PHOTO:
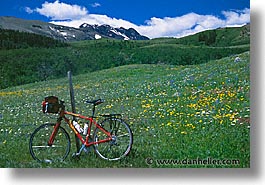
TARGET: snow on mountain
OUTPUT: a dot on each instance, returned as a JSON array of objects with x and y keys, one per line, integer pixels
[
  {"x": 106, "y": 31},
  {"x": 119, "y": 33},
  {"x": 84, "y": 32},
  {"x": 97, "y": 36}
]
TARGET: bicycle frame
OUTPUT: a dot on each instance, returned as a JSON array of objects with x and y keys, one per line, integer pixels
[
  {"x": 111, "y": 138},
  {"x": 85, "y": 142}
]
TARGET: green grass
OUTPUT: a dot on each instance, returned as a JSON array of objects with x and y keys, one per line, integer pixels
[{"x": 175, "y": 112}]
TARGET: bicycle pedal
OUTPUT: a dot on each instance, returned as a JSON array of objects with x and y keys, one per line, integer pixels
[{"x": 75, "y": 156}]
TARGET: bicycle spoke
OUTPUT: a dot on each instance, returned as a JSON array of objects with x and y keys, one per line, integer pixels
[
  {"x": 120, "y": 144},
  {"x": 53, "y": 146},
  {"x": 123, "y": 135},
  {"x": 41, "y": 151}
]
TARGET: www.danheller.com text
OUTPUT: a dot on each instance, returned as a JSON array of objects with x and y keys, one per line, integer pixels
[{"x": 197, "y": 161}]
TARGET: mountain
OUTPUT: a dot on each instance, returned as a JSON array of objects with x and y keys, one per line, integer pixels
[
  {"x": 106, "y": 31},
  {"x": 84, "y": 32}
]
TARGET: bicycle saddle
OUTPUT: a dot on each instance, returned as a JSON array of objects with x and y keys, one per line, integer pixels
[{"x": 95, "y": 102}]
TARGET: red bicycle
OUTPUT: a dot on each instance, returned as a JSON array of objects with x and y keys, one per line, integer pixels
[{"x": 112, "y": 138}]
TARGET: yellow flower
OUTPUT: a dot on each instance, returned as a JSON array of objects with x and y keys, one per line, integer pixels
[
  {"x": 146, "y": 106},
  {"x": 109, "y": 106},
  {"x": 169, "y": 124}
]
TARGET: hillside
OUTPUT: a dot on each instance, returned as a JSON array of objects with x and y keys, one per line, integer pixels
[
  {"x": 221, "y": 37},
  {"x": 175, "y": 112},
  {"x": 33, "y": 64}
]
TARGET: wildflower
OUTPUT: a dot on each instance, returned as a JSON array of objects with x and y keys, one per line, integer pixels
[
  {"x": 146, "y": 106},
  {"x": 171, "y": 113},
  {"x": 169, "y": 124},
  {"x": 109, "y": 106}
]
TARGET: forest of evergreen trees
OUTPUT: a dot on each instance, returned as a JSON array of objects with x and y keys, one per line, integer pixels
[{"x": 11, "y": 39}]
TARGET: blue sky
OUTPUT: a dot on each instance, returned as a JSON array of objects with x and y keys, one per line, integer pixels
[{"x": 163, "y": 18}]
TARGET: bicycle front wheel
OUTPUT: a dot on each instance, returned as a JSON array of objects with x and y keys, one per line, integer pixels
[
  {"x": 121, "y": 142},
  {"x": 41, "y": 151}
]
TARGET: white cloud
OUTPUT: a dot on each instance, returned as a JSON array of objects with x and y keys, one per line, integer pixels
[
  {"x": 169, "y": 27},
  {"x": 61, "y": 11},
  {"x": 192, "y": 23},
  {"x": 97, "y": 19},
  {"x": 29, "y": 10},
  {"x": 237, "y": 17},
  {"x": 94, "y": 5},
  {"x": 155, "y": 27}
]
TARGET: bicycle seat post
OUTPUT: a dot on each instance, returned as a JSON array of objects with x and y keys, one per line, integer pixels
[{"x": 94, "y": 103}]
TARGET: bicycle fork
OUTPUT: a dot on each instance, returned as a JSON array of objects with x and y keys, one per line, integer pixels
[{"x": 54, "y": 132}]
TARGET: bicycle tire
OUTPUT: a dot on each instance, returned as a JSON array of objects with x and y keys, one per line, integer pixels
[
  {"x": 41, "y": 151},
  {"x": 121, "y": 144}
]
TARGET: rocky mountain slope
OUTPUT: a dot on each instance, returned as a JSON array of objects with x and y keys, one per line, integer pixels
[{"x": 84, "y": 32}]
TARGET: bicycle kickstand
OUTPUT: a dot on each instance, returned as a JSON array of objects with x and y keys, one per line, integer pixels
[{"x": 83, "y": 147}]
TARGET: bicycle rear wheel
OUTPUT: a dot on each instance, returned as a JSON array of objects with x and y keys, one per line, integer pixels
[
  {"x": 41, "y": 151},
  {"x": 121, "y": 142}
]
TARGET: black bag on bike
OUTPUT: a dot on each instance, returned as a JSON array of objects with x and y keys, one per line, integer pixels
[{"x": 50, "y": 105}]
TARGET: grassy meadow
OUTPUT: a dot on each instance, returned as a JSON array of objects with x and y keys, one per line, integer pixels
[{"x": 175, "y": 112}]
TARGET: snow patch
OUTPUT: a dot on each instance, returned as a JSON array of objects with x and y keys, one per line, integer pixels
[
  {"x": 85, "y": 25},
  {"x": 52, "y": 28},
  {"x": 97, "y": 36},
  {"x": 119, "y": 33},
  {"x": 63, "y": 33}
]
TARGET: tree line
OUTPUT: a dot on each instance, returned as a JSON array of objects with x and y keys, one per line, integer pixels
[{"x": 12, "y": 39}]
